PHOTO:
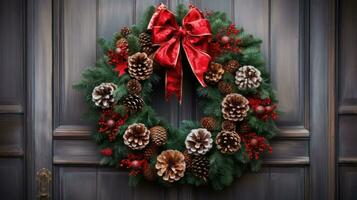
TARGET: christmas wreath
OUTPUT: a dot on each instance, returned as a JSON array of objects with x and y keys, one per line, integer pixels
[{"x": 238, "y": 102}]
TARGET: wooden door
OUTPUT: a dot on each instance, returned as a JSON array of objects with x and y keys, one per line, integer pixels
[{"x": 60, "y": 43}]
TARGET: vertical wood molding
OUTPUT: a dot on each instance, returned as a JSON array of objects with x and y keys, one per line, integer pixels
[
  {"x": 39, "y": 87},
  {"x": 322, "y": 63}
]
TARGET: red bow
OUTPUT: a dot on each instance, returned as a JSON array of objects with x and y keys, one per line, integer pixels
[{"x": 194, "y": 35}]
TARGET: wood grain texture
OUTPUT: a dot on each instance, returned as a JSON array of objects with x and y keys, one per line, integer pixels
[
  {"x": 347, "y": 136},
  {"x": 12, "y": 179},
  {"x": 347, "y": 182},
  {"x": 11, "y": 135}
]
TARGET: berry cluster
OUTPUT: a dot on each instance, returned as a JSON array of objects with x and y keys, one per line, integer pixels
[
  {"x": 109, "y": 124},
  {"x": 255, "y": 145},
  {"x": 135, "y": 163},
  {"x": 263, "y": 108}
]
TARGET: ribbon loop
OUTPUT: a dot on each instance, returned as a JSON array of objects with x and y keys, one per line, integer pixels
[{"x": 194, "y": 35}]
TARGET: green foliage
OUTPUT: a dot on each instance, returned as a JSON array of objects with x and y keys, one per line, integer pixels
[{"x": 223, "y": 168}]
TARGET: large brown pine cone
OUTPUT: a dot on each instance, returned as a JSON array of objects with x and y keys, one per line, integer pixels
[
  {"x": 136, "y": 136},
  {"x": 235, "y": 107},
  {"x": 170, "y": 164},
  {"x": 214, "y": 73},
  {"x": 134, "y": 103},
  {"x": 200, "y": 167},
  {"x": 228, "y": 142},
  {"x": 198, "y": 141},
  {"x": 102, "y": 95},
  {"x": 208, "y": 123},
  {"x": 158, "y": 135},
  {"x": 134, "y": 87},
  {"x": 188, "y": 159},
  {"x": 231, "y": 66},
  {"x": 248, "y": 77},
  {"x": 145, "y": 43},
  {"x": 140, "y": 66}
]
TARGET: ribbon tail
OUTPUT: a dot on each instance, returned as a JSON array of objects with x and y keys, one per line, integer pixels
[{"x": 173, "y": 81}]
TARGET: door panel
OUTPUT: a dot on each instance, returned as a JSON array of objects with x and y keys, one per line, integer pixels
[
  {"x": 282, "y": 26},
  {"x": 12, "y": 98}
]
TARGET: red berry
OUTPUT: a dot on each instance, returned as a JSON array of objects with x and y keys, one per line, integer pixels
[
  {"x": 268, "y": 108},
  {"x": 118, "y": 50},
  {"x": 110, "y": 123},
  {"x": 135, "y": 164},
  {"x": 253, "y": 142},
  {"x": 225, "y": 39},
  {"x": 259, "y": 109}
]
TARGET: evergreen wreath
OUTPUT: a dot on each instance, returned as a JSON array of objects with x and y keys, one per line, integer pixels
[{"x": 236, "y": 95}]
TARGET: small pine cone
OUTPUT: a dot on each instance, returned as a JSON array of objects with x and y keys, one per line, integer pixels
[
  {"x": 214, "y": 73},
  {"x": 200, "y": 167},
  {"x": 228, "y": 142},
  {"x": 158, "y": 135},
  {"x": 170, "y": 164},
  {"x": 145, "y": 43},
  {"x": 102, "y": 95},
  {"x": 134, "y": 87},
  {"x": 125, "y": 31},
  {"x": 140, "y": 66},
  {"x": 235, "y": 107},
  {"x": 198, "y": 141},
  {"x": 225, "y": 88},
  {"x": 248, "y": 77},
  {"x": 188, "y": 159},
  {"x": 231, "y": 66},
  {"x": 228, "y": 125},
  {"x": 208, "y": 123},
  {"x": 149, "y": 173},
  {"x": 150, "y": 151},
  {"x": 133, "y": 103},
  {"x": 136, "y": 136},
  {"x": 244, "y": 127}
]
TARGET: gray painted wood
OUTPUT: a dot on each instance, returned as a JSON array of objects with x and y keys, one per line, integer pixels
[
  {"x": 11, "y": 135},
  {"x": 12, "y": 179},
  {"x": 347, "y": 137},
  {"x": 348, "y": 182}
]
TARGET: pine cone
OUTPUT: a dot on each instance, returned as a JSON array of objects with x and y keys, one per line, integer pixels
[
  {"x": 214, "y": 74},
  {"x": 170, "y": 164},
  {"x": 208, "y": 123},
  {"x": 134, "y": 86},
  {"x": 145, "y": 43},
  {"x": 125, "y": 31},
  {"x": 122, "y": 47},
  {"x": 200, "y": 167},
  {"x": 228, "y": 125},
  {"x": 102, "y": 95},
  {"x": 150, "y": 151},
  {"x": 136, "y": 136},
  {"x": 244, "y": 127},
  {"x": 198, "y": 141},
  {"x": 231, "y": 66},
  {"x": 140, "y": 66},
  {"x": 235, "y": 107},
  {"x": 188, "y": 159},
  {"x": 133, "y": 103},
  {"x": 149, "y": 173},
  {"x": 228, "y": 142},
  {"x": 248, "y": 77},
  {"x": 225, "y": 88},
  {"x": 158, "y": 135}
]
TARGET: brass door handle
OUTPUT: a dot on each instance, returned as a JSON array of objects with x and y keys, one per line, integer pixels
[{"x": 43, "y": 179}]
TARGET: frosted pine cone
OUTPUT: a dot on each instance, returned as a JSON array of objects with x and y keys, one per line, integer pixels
[
  {"x": 198, "y": 141},
  {"x": 125, "y": 31},
  {"x": 102, "y": 95},
  {"x": 145, "y": 43},
  {"x": 140, "y": 66},
  {"x": 214, "y": 73},
  {"x": 158, "y": 135},
  {"x": 170, "y": 164},
  {"x": 235, "y": 107},
  {"x": 136, "y": 136},
  {"x": 248, "y": 77},
  {"x": 228, "y": 142}
]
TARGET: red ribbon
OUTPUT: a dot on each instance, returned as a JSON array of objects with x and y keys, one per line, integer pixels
[{"x": 194, "y": 36}]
